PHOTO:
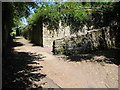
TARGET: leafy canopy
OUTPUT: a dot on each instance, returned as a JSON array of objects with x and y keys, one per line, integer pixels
[{"x": 74, "y": 14}]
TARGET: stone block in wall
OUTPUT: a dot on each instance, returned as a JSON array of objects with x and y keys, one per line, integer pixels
[
  {"x": 58, "y": 46},
  {"x": 75, "y": 49},
  {"x": 110, "y": 39},
  {"x": 49, "y": 35}
]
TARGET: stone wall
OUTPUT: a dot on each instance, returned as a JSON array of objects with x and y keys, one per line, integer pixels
[
  {"x": 63, "y": 42},
  {"x": 36, "y": 34},
  {"x": 84, "y": 43},
  {"x": 49, "y": 35},
  {"x": 41, "y": 35}
]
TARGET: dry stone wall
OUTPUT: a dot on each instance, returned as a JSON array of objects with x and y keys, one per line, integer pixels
[
  {"x": 63, "y": 42},
  {"x": 84, "y": 43},
  {"x": 49, "y": 35},
  {"x": 36, "y": 34},
  {"x": 41, "y": 35}
]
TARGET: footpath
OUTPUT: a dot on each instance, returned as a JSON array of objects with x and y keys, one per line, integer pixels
[{"x": 60, "y": 72}]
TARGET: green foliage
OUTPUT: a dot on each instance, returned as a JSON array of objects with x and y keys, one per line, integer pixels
[
  {"x": 50, "y": 14},
  {"x": 15, "y": 10},
  {"x": 74, "y": 14},
  {"x": 13, "y": 33},
  {"x": 25, "y": 32}
]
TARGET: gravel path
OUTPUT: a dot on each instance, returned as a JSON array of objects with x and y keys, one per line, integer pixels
[{"x": 68, "y": 74}]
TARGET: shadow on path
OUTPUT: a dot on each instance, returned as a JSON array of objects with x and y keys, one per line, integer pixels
[
  {"x": 17, "y": 44},
  {"x": 18, "y": 70},
  {"x": 110, "y": 56}
]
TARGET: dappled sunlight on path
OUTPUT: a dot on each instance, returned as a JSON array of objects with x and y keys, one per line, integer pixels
[
  {"x": 21, "y": 69},
  {"x": 37, "y": 62},
  {"x": 18, "y": 73}
]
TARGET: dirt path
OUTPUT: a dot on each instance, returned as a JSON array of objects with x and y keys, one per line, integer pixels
[{"x": 71, "y": 74}]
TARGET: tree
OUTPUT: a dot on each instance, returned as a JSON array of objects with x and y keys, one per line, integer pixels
[{"x": 11, "y": 14}]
